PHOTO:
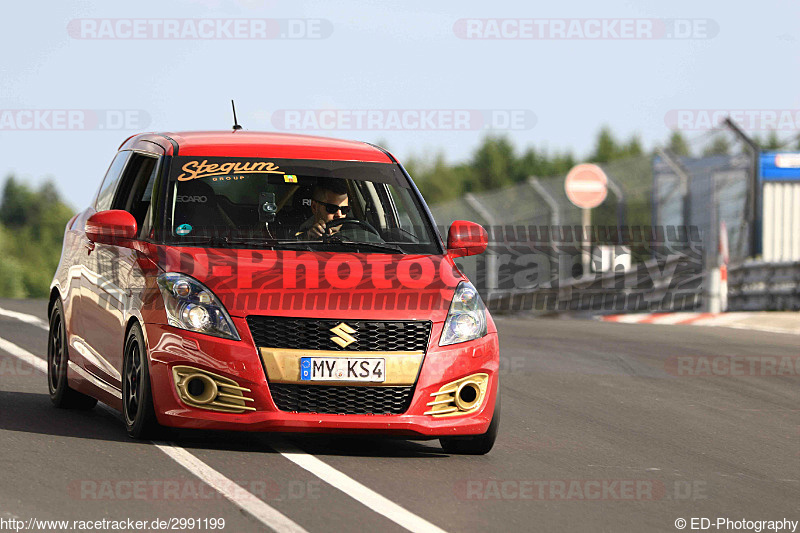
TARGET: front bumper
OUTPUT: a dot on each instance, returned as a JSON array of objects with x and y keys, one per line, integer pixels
[{"x": 240, "y": 361}]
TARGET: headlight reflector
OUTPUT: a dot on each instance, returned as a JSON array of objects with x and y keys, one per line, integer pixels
[
  {"x": 190, "y": 305},
  {"x": 466, "y": 319},
  {"x": 181, "y": 288}
]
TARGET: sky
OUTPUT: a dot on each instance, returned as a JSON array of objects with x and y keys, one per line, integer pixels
[{"x": 425, "y": 70}]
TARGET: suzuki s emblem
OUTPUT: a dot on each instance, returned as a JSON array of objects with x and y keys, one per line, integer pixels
[{"x": 343, "y": 337}]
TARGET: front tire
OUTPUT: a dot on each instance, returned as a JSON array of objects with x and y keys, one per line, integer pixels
[
  {"x": 475, "y": 444},
  {"x": 61, "y": 394},
  {"x": 137, "y": 396}
]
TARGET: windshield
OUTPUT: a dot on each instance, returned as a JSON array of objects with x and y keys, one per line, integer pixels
[{"x": 296, "y": 204}]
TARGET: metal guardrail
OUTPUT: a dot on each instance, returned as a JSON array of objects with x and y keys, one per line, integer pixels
[
  {"x": 760, "y": 286},
  {"x": 671, "y": 284}
]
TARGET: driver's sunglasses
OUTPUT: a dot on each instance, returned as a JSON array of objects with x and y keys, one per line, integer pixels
[{"x": 333, "y": 208}]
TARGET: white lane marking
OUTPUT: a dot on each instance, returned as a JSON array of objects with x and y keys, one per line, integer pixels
[
  {"x": 238, "y": 496},
  {"x": 327, "y": 473},
  {"x": 23, "y": 317},
  {"x": 243, "y": 499},
  {"x": 355, "y": 490},
  {"x": 24, "y": 355}
]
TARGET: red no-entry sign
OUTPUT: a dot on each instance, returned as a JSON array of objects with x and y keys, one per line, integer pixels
[{"x": 586, "y": 185}]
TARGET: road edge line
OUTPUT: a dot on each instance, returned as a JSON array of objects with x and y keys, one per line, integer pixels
[
  {"x": 24, "y": 355},
  {"x": 356, "y": 490},
  {"x": 248, "y": 502},
  {"x": 24, "y": 317},
  {"x": 238, "y": 496}
]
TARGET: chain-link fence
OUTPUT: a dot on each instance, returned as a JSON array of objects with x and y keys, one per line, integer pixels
[
  {"x": 710, "y": 192},
  {"x": 658, "y": 205}
]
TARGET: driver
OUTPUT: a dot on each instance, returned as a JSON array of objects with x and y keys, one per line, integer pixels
[{"x": 329, "y": 202}]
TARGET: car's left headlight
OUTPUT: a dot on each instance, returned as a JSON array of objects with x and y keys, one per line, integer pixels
[
  {"x": 466, "y": 319},
  {"x": 191, "y": 305}
]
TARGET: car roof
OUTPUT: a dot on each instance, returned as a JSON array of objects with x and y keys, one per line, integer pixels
[{"x": 257, "y": 144}]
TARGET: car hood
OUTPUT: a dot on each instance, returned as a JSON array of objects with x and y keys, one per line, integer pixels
[{"x": 320, "y": 284}]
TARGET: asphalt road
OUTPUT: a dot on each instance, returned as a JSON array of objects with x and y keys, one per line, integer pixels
[{"x": 599, "y": 432}]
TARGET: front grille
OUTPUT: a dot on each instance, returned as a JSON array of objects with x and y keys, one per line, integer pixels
[
  {"x": 347, "y": 400},
  {"x": 315, "y": 334}
]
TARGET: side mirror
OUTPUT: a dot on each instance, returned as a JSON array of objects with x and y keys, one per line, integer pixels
[
  {"x": 466, "y": 238},
  {"x": 114, "y": 227}
]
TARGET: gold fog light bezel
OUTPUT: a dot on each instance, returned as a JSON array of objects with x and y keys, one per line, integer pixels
[
  {"x": 447, "y": 400},
  {"x": 210, "y": 389},
  {"x": 220, "y": 393},
  {"x": 465, "y": 405}
]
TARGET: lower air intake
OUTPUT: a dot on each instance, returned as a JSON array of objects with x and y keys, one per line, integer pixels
[{"x": 345, "y": 400}]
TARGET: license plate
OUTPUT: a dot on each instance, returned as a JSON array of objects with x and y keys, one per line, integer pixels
[{"x": 343, "y": 369}]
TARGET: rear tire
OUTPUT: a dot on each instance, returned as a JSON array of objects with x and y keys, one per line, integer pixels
[
  {"x": 61, "y": 394},
  {"x": 137, "y": 396},
  {"x": 475, "y": 444}
]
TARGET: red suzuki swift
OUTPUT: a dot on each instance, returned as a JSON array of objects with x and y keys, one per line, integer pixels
[{"x": 271, "y": 282}]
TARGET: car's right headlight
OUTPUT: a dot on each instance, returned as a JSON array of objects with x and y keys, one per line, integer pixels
[
  {"x": 466, "y": 319},
  {"x": 191, "y": 305}
]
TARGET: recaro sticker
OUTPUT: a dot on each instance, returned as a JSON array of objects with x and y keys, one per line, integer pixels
[{"x": 191, "y": 199}]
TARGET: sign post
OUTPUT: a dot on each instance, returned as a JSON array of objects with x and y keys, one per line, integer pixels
[
  {"x": 724, "y": 256},
  {"x": 586, "y": 187}
]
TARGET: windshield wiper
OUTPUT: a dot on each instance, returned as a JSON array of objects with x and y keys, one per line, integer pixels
[
  {"x": 221, "y": 241},
  {"x": 374, "y": 245},
  {"x": 291, "y": 243}
]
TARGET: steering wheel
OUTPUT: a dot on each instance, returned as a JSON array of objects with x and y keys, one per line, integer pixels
[{"x": 351, "y": 222}]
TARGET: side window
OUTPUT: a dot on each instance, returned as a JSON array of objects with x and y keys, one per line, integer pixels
[
  {"x": 136, "y": 189},
  {"x": 409, "y": 218},
  {"x": 109, "y": 185}
]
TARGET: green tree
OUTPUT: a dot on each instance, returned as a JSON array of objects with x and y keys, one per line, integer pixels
[
  {"x": 532, "y": 163},
  {"x": 772, "y": 142},
  {"x": 605, "y": 148},
  {"x": 32, "y": 225},
  {"x": 11, "y": 279},
  {"x": 561, "y": 163},
  {"x": 633, "y": 148},
  {"x": 494, "y": 164},
  {"x": 719, "y": 146},
  {"x": 17, "y": 205},
  {"x": 678, "y": 145}
]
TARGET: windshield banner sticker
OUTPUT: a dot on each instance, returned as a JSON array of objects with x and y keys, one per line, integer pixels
[{"x": 202, "y": 169}]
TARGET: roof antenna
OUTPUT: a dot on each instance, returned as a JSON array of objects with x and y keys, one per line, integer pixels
[{"x": 236, "y": 125}]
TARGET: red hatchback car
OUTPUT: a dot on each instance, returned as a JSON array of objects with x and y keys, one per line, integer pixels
[{"x": 271, "y": 282}]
